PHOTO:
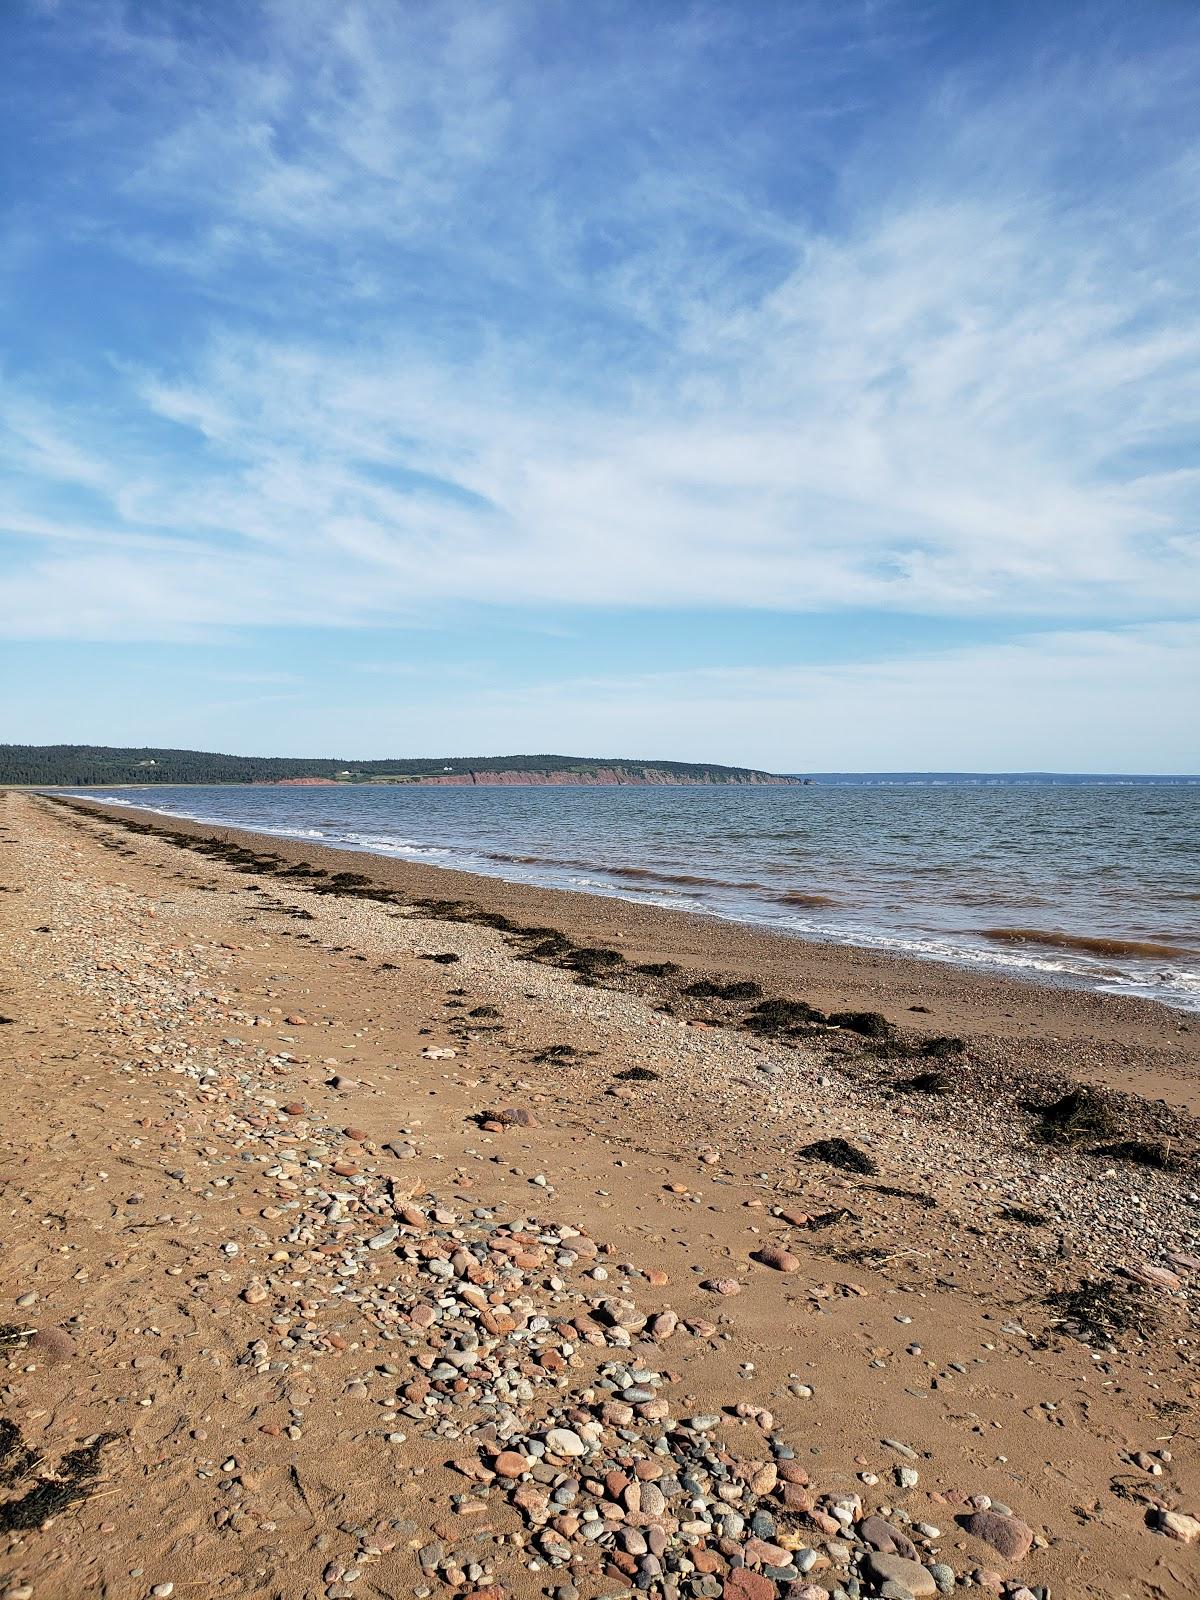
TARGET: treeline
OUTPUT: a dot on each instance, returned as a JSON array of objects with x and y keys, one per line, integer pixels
[{"x": 89, "y": 765}]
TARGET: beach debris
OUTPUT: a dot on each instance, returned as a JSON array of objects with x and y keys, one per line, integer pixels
[
  {"x": 72, "y": 1480},
  {"x": 870, "y": 1024},
  {"x": 1080, "y": 1114},
  {"x": 1103, "y": 1311},
  {"x": 838, "y": 1152}
]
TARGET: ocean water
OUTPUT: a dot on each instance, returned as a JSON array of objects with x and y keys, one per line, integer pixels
[{"x": 1093, "y": 883}]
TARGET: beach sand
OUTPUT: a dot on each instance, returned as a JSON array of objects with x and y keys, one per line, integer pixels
[{"x": 363, "y": 1271}]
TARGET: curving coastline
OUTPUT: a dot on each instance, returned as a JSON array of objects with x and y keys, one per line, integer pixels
[{"x": 1148, "y": 1044}]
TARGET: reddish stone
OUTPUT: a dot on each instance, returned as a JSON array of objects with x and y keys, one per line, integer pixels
[
  {"x": 761, "y": 1553},
  {"x": 359, "y": 1135},
  {"x": 706, "y": 1561},
  {"x": 774, "y": 1255},
  {"x": 743, "y": 1585},
  {"x": 1008, "y": 1536},
  {"x": 797, "y": 1498}
]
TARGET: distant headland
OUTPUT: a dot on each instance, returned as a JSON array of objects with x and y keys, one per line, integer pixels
[{"x": 89, "y": 766}]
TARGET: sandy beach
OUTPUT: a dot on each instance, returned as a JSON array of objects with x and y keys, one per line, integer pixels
[{"x": 374, "y": 1229}]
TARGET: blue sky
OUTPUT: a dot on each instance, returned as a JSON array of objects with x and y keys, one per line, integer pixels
[{"x": 812, "y": 385}]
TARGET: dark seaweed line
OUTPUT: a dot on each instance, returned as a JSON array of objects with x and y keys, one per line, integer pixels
[{"x": 865, "y": 1036}]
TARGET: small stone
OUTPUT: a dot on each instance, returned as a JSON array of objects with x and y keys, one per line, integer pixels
[
  {"x": 881, "y": 1536},
  {"x": 775, "y": 1256},
  {"x": 509, "y": 1464},
  {"x": 722, "y": 1286},
  {"x": 565, "y": 1442},
  {"x": 1177, "y": 1525},
  {"x": 1151, "y": 1277},
  {"x": 741, "y": 1584}
]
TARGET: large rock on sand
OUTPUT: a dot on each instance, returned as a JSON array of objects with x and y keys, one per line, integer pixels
[
  {"x": 910, "y": 1575},
  {"x": 1008, "y": 1536}
]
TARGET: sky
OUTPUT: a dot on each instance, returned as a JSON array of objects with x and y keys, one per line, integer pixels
[{"x": 813, "y": 386}]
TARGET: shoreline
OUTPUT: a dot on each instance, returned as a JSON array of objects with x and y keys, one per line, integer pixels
[
  {"x": 355, "y": 1204},
  {"x": 1149, "y": 1049},
  {"x": 1111, "y": 964}
]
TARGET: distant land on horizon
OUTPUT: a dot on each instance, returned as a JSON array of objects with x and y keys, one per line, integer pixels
[{"x": 85, "y": 766}]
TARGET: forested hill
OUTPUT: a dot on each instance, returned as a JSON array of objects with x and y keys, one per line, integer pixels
[{"x": 84, "y": 765}]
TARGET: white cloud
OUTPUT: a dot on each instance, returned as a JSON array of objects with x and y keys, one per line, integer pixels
[{"x": 524, "y": 329}]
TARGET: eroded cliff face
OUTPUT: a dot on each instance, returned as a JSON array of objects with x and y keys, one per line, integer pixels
[{"x": 601, "y": 777}]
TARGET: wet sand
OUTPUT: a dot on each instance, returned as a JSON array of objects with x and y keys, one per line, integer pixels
[
  {"x": 1141, "y": 1045},
  {"x": 313, "y": 1230}
]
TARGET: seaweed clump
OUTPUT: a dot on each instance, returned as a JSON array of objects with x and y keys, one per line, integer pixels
[
  {"x": 926, "y": 1083},
  {"x": 592, "y": 959},
  {"x": 17, "y": 1460},
  {"x": 638, "y": 1075},
  {"x": 783, "y": 1016},
  {"x": 1103, "y": 1311},
  {"x": 1075, "y": 1117},
  {"x": 706, "y": 989},
  {"x": 72, "y": 1480},
  {"x": 840, "y": 1153},
  {"x": 1155, "y": 1153},
  {"x": 870, "y": 1024},
  {"x": 557, "y": 1054},
  {"x": 1024, "y": 1216}
]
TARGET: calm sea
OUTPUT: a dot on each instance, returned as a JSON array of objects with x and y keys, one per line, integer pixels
[{"x": 1095, "y": 883}]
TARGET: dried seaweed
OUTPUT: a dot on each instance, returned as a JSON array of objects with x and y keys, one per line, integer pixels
[
  {"x": 926, "y": 1083},
  {"x": 840, "y": 1153},
  {"x": 1078, "y": 1115},
  {"x": 1104, "y": 1310},
  {"x": 707, "y": 989},
  {"x": 870, "y": 1024},
  {"x": 782, "y": 1016},
  {"x": 17, "y": 1460},
  {"x": 1142, "y": 1152},
  {"x": 1024, "y": 1216},
  {"x": 72, "y": 1481}
]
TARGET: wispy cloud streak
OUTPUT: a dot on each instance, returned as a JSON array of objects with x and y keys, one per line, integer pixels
[{"x": 499, "y": 305}]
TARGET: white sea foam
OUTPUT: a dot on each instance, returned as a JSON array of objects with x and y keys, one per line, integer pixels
[{"x": 901, "y": 871}]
